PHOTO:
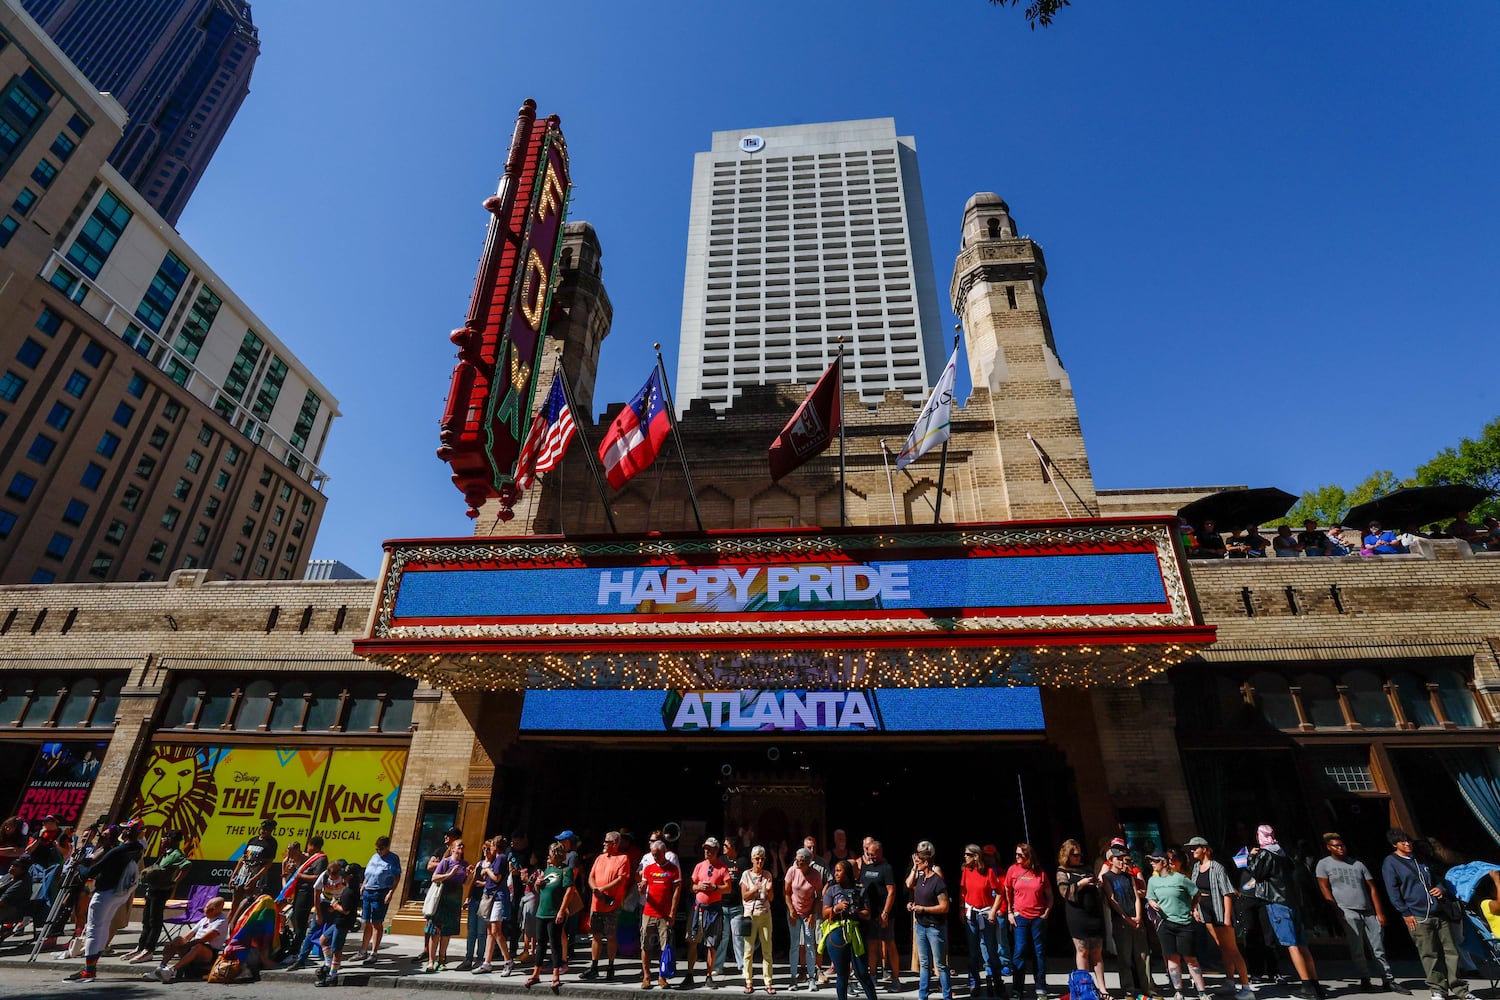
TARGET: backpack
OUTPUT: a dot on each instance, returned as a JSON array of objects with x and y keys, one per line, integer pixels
[{"x": 1081, "y": 986}]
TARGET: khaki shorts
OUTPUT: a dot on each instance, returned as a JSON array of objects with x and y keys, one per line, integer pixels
[{"x": 655, "y": 932}]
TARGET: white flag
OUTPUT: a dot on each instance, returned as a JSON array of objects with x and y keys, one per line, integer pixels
[{"x": 931, "y": 428}]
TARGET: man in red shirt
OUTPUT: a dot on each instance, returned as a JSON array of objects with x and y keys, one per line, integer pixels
[
  {"x": 707, "y": 925},
  {"x": 608, "y": 880},
  {"x": 660, "y": 887}
]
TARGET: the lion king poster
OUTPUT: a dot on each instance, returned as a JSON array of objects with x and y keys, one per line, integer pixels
[{"x": 219, "y": 795}]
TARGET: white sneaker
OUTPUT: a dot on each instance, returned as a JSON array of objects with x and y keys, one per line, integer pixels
[
  {"x": 165, "y": 974},
  {"x": 483, "y": 969}
]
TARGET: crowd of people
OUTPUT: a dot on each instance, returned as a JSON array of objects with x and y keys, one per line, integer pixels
[
  {"x": 526, "y": 907},
  {"x": 839, "y": 909},
  {"x": 1206, "y": 541}
]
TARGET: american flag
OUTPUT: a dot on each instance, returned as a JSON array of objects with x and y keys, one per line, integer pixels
[{"x": 550, "y": 433}]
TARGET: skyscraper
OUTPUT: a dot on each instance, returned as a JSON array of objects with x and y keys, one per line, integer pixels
[
  {"x": 800, "y": 235},
  {"x": 181, "y": 68}
]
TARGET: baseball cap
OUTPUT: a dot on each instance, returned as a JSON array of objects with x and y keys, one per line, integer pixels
[
  {"x": 1196, "y": 842},
  {"x": 711, "y": 842},
  {"x": 1156, "y": 857},
  {"x": 566, "y": 835},
  {"x": 1117, "y": 852},
  {"x": 990, "y": 849}
]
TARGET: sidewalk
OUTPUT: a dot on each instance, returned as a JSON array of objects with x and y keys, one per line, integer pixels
[{"x": 396, "y": 968}]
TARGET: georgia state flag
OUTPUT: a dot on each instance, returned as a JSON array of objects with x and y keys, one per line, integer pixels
[{"x": 636, "y": 435}]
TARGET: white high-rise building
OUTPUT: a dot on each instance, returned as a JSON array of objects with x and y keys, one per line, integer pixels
[{"x": 800, "y": 235}]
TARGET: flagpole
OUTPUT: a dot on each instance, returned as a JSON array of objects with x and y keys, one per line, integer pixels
[
  {"x": 890, "y": 482},
  {"x": 937, "y": 510},
  {"x": 687, "y": 474},
  {"x": 843, "y": 471},
  {"x": 588, "y": 451},
  {"x": 1046, "y": 463}
]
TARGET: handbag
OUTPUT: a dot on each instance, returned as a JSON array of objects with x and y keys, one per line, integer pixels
[
  {"x": 571, "y": 902},
  {"x": 430, "y": 901},
  {"x": 667, "y": 967}
]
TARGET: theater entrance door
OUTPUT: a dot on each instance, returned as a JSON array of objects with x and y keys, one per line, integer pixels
[{"x": 776, "y": 809}]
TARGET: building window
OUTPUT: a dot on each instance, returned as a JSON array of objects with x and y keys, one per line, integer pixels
[
  {"x": 93, "y": 354},
  {"x": 78, "y": 126},
  {"x": 237, "y": 558},
  {"x": 158, "y": 437},
  {"x": 58, "y": 547},
  {"x": 137, "y": 387},
  {"x": 278, "y": 515},
  {"x": 248, "y": 528},
  {"x": 205, "y": 435},
  {"x": 257, "y": 501},
  {"x": 24, "y": 201},
  {"x": 182, "y": 489},
  {"x": 171, "y": 412},
  {"x": 20, "y": 486},
  {"x": 190, "y": 561},
  {"x": 43, "y": 576},
  {"x": 221, "y": 481},
  {"x": 108, "y": 444},
  {"x": 92, "y": 476},
  {"x": 290, "y": 555},
  {"x": 101, "y": 564},
  {"x": 231, "y": 455},
  {"x": 270, "y": 388},
  {"x": 116, "y": 532},
  {"x": 145, "y": 466},
  {"x": 59, "y": 416},
  {"x": 75, "y": 512},
  {"x": 77, "y": 384},
  {"x": 260, "y": 565},
  {"x": 44, "y": 173},
  {"x": 285, "y": 492},
  {"x": 194, "y": 462},
  {"x": 11, "y": 385},
  {"x": 131, "y": 498},
  {"x": 177, "y": 371},
  {"x": 201, "y": 535},
  {"x": 211, "y": 508},
  {"x": 157, "y": 301},
  {"x": 169, "y": 518},
  {"x": 305, "y": 418},
  {"x": 194, "y": 329},
  {"x": 31, "y": 353},
  {"x": 157, "y": 552},
  {"x": 8, "y": 227},
  {"x": 99, "y": 235},
  {"x": 62, "y": 147},
  {"x": 41, "y": 449},
  {"x": 8, "y": 521},
  {"x": 48, "y": 321},
  {"x": 137, "y": 341},
  {"x": 238, "y": 378}
]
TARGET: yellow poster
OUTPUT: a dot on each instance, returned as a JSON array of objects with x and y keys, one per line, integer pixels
[{"x": 219, "y": 796}]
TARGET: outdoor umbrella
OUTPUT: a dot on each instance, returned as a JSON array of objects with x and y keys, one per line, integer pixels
[
  {"x": 1231, "y": 510},
  {"x": 1416, "y": 505}
]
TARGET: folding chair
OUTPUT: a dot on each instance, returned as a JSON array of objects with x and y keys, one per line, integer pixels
[{"x": 192, "y": 909}]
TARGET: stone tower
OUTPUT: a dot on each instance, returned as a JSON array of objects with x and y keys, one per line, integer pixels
[{"x": 997, "y": 294}]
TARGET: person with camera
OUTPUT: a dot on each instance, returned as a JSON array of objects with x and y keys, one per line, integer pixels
[
  {"x": 846, "y": 923},
  {"x": 929, "y": 908},
  {"x": 159, "y": 880},
  {"x": 114, "y": 875}
]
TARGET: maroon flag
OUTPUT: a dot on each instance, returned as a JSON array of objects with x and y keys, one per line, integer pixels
[{"x": 814, "y": 425}]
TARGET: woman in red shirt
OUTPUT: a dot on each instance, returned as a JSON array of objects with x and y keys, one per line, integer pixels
[{"x": 1028, "y": 900}]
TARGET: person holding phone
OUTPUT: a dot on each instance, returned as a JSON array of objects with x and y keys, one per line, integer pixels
[{"x": 1083, "y": 906}]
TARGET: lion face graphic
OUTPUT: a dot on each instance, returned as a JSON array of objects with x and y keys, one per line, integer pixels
[{"x": 177, "y": 793}]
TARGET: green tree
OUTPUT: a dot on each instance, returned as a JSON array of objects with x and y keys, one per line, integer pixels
[
  {"x": 1328, "y": 504},
  {"x": 1037, "y": 11},
  {"x": 1476, "y": 462}
]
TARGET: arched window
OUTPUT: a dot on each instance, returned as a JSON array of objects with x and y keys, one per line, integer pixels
[
  {"x": 1458, "y": 703},
  {"x": 1274, "y": 700},
  {"x": 1414, "y": 700},
  {"x": 364, "y": 706},
  {"x": 397, "y": 717},
  {"x": 79, "y": 700},
  {"x": 48, "y": 691},
  {"x": 109, "y": 704},
  {"x": 993, "y": 226},
  {"x": 291, "y": 703},
  {"x": 184, "y": 704},
  {"x": 255, "y": 705},
  {"x": 216, "y": 706},
  {"x": 323, "y": 710},
  {"x": 1320, "y": 701},
  {"x": 13, "y": 698},
  {"x": 1368, "y": 701}
]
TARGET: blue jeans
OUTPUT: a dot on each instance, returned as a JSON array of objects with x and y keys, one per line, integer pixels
[
  {"x": 478, "y": 926},
  {"x": 932, "y": 949},
  {"x": 734, "y": 926},
  {"x": 313, "y": 938},
  {"x": 1031, "y": 934},
  {"x": 842, "y": 956},
  {"x": 803, "y": 933},
  {"x": 987, "y": 943}
]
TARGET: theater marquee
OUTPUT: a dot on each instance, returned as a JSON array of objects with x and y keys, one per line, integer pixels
[{"x": 1050, "y": 602}]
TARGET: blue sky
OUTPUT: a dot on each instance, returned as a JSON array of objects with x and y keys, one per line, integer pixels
[{"x": 1270, "y": 228}]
